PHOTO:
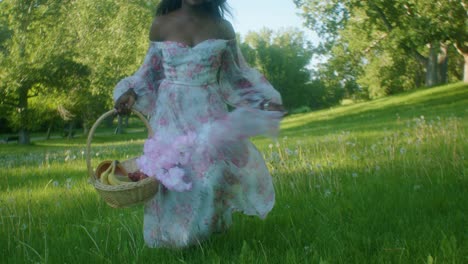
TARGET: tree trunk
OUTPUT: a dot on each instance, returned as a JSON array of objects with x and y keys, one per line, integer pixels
[
  {"x": 70, "y": 130},
  {"x": 465, "y": 68},
  {"x": 85, "y": 128},
  {"x": 49, "y": 131},
  {"x": 23, "y": 134},
  {"x": 119, "y": 128},
  {"x": 24, "y": 138},
  {"x": 463, "y": 50},
  {"x": 432, "y": 72},
  {"x": 443, "y": 64}
]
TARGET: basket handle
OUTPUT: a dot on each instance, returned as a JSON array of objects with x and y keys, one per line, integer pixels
[{"x": 93, "y": 130}]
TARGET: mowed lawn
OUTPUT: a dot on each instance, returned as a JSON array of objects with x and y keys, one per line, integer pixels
[{"x": 376, "y": 182}]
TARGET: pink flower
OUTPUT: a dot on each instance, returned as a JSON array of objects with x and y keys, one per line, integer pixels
[
  {"x": 173, "y": 179},
  {"x": 163, "y": 122},
  {"x": 243, "y": 83}
]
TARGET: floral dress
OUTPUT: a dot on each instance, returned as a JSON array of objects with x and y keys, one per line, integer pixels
[{"x": 204, "y": 104}]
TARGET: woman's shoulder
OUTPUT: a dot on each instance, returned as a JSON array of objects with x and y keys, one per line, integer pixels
[
  {"x": 226, "y": 29},
  {"x": 158, "y": 27}
]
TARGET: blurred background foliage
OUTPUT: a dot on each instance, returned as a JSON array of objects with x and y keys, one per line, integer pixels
[{"x": 60, "y": 60}]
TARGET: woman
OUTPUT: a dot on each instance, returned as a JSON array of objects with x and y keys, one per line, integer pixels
[{"x": 200, "y": 151}]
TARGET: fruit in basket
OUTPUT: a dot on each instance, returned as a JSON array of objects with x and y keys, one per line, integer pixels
[
  {"x": 137, "y": 176},
  {"x": 104, "y": 177},
  {"x": 111, "y": 172},
  {"x": 116, "y": 179}
]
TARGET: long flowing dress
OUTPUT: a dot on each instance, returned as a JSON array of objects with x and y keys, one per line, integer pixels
[{"x": 204, "y": 104}]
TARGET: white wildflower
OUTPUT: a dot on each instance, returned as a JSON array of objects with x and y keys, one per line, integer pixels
[{"x": 402, "y": 150}]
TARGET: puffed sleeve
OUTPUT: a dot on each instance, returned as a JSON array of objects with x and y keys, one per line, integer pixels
[
  {"x": 243, "y": 85},
  {"x": 145, "y": 81},
  {"x": 246, "y": 89}
]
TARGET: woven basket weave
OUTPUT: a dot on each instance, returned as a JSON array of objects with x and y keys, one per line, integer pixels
[{"x": 128, "y": 194}]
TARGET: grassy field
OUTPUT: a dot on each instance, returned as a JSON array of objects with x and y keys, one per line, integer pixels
[{"x": 378, "y": 182}]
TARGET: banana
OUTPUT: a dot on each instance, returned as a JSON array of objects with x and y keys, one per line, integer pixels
[
  {"x": 123, "y": 178},
  {"x": 104, "y": 178},
  {"x": 111, "y": 177},
  {"x": 114, "y": 179}
]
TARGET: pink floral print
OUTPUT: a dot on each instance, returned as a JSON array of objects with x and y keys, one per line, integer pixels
[{"x": 201, "y": 152}]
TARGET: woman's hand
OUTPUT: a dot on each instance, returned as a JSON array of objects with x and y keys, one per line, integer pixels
[{"x": 124, "y": 104}]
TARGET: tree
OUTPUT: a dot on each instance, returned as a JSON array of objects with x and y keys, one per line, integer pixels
[
  {"x": 75, "y": 51},
  {"x": 34, "y": 59},
  {"x": 283, "y": 58},
  {"x": 111, "y": 37},
  {"x": 394, "y": 30}
]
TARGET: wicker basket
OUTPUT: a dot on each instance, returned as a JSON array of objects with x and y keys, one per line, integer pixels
[{"x": 128, "y": 194}]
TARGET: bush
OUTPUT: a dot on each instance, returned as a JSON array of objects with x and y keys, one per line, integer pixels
[{"x": 300, "y": 110}]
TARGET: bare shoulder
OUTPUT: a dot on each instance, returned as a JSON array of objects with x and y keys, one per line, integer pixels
[
  {"x": 158, "y": 28},
  {"x": 227, "y": 29}
]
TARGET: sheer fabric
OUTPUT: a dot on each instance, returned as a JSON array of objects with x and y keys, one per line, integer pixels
[{"x": 200, "y": 150}]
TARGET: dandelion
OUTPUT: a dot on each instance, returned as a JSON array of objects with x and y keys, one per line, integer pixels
[
  {"x": 277, "y": 144},
  {"x": 377, "y": 167},
  {"x": 402, "y": 151},
  {"x": 68, "y": 183},
  {"x": 327, "y": 193},
  {"x": 354, "y": 175},
  {"x": 55, "y": 183},
  {"x": 24, "y": 226},
  {"x": 270, "y": 146}
]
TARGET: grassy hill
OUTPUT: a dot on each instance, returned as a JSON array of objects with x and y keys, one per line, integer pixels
[{"x": 376, "y": 182}]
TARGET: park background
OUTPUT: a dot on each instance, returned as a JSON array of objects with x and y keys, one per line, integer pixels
[{"x": 369, "y": 167}]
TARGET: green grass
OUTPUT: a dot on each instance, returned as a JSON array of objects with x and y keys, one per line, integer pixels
[{"x": 377, "y": 182}]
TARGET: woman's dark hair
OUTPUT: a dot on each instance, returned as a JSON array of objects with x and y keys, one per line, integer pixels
[{"x": 217, "y": 8}]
